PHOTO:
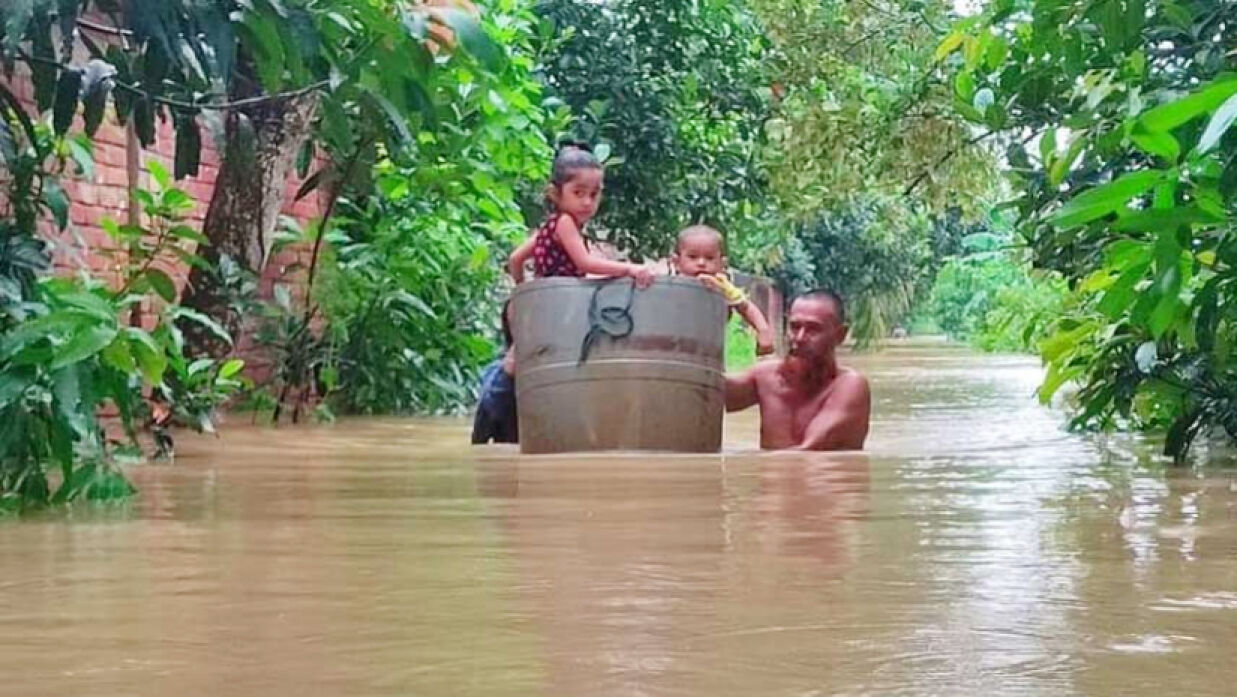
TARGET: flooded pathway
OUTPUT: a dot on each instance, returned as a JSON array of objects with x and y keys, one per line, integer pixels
[{"x": 976, "y": 549}]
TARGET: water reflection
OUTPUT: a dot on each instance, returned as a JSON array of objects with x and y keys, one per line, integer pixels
[{"x": 977, "y": 548}]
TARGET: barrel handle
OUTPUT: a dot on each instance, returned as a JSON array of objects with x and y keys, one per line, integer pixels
[{"x": 615, "y": 320}]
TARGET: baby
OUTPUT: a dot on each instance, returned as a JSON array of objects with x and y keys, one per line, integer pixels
[{"x": 699, "y": 253}]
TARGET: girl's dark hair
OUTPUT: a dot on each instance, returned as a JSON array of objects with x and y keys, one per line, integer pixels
[
  {"x": 507, "y": 323},
  {"x": 571, "y": 157}
]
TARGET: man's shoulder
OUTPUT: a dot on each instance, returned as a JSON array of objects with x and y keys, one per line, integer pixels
[
  {"x": 850, "y": 382},
  {"x": 765, "y": 369}
]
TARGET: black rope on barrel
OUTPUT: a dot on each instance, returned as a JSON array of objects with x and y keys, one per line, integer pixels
[{"x": 614, "y": 320}]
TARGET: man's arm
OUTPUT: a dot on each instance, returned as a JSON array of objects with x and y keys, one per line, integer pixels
[
  {"x": 843, "y": 422},
  {"x": 741, "y": 390}
]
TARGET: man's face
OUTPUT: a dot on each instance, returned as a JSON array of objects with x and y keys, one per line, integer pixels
[{"x": 814, "y": 329}]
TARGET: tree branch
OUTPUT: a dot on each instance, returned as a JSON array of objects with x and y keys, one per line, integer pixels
[
  {"x": 180, "y": 104},
  {"x": 923, "y": 175}
]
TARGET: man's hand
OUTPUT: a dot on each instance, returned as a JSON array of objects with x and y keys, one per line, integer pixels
[{"x": 741, "y": 391}]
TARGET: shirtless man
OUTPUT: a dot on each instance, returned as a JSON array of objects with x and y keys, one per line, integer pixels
[{"x": 807, "y": 401}]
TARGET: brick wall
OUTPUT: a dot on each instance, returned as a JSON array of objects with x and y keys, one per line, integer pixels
[{"x": 105, "y": 195}]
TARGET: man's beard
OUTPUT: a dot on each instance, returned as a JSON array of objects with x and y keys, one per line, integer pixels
[{"x": 800, "y": 366}]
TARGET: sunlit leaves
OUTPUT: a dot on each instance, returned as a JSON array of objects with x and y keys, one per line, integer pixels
[{"x": 1154, "y": 180}]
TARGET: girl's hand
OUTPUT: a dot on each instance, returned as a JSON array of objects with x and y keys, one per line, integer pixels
[{"x": 642, "y": 274}]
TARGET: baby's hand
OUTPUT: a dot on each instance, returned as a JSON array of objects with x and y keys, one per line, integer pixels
[
  {"x": 643, "y": 276},
  {"x": 710, "y": 281}
]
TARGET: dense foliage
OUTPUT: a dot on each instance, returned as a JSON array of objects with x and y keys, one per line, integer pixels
[
  {"x": 675, "y": 89},
  {"x": 990, "y": 297},
  {"x": 861, "y": 110},
  {"x": 65, "y": 354},
  {"x": 1118, "y": 116}
]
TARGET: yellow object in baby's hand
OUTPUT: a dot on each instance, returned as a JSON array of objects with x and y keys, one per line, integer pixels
[{"x": 734, "y": 295}]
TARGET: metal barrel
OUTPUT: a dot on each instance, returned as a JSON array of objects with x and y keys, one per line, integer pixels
[{"x": 659, "y": 387}]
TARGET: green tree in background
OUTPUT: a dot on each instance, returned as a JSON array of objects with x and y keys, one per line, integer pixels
[
  {"x": 989, "y": 296},
  {"x": 863, "y": 111},
  {"x": 676, "y": 90},
  {"x": 1117, "y": 115}
]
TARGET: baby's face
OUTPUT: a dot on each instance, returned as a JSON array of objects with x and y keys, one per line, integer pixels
[{"x": 699, "y": 254}]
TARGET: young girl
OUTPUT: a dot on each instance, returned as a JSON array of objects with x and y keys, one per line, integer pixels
[{"x": 558, "y": 247}]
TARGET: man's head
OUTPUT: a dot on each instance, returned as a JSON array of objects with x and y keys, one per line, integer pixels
[
  {"x": 816, "y": 326},
  {"x": 699, "y": 250}
]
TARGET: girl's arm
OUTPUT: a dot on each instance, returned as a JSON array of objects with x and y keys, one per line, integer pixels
[
  {"x": 515, "y": 264},
  {"x": 573, "y": 244},
  {"x": 756, "y": 319}
]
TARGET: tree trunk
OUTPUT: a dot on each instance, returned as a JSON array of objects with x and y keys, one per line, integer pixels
[{"x": 260, "y": 147}]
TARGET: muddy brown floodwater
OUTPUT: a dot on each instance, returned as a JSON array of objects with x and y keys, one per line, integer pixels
[{"x": 976, "y": 549}]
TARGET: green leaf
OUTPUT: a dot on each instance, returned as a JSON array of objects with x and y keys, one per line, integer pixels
[
  {"x": 1100, "y": 201},
  {"x": 1165, "y": 312},
  {"x": 150, "y": 356},
  {"x": 1166, "y": 117},
  {"x": 200, "y": 365},
  {"x": 313, "y": 182},
  {"x": 1057, "y": 345},
  {"x": 184, "y": 232},
  {"x": 1165, "y": 219},
  {"x": 393, "y": 116},
  {"x": 1156, "y": 143},
  {"x": 472, "y": 37},
  {"x": 1056, "y": 377},
  {"x": 84, "y": 302},
  {"x": 88, "y": 340},
  {"x": 162, "y": 284},
  {"x": 305, "y": 157},
  {"x": 67, "y": 90},
  {"x": 266, "y": 47},
  {"x": 80, "y": 149},
  {"x": 144, "y": 121},
  {"x": 57, "y": 201},
  {"x": 159, "y": 173},
  {"x": 43, "y": 73},
  {"x": 118, "y": 356},
  {"x": 947, "y": 46},
  {"x": 231, "y": 368},
  {"x": 203, "y": 320},
  {"x": 1061, "y": 166},
  {"x": 188, "y": 147},
  {"x": 1220, "y": 122}
]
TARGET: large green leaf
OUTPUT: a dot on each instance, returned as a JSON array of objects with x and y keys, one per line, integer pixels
[
  {"x": 162, "y": 283},
  {"x": 83, "y": 343},
  {"x": 1100, "y": 201},
  {"x": 1120, "y": 295},
  {"x": 1166, "y": 117},
  {"x": 151, "y": 359},
  {"x": 197, "y": 317},
  {"x": 188, "y": 147},
  {"x": 1219, "y": 125},
  {"x": 68, "y": 89},
  {"x": 1156, "y": 143}
]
